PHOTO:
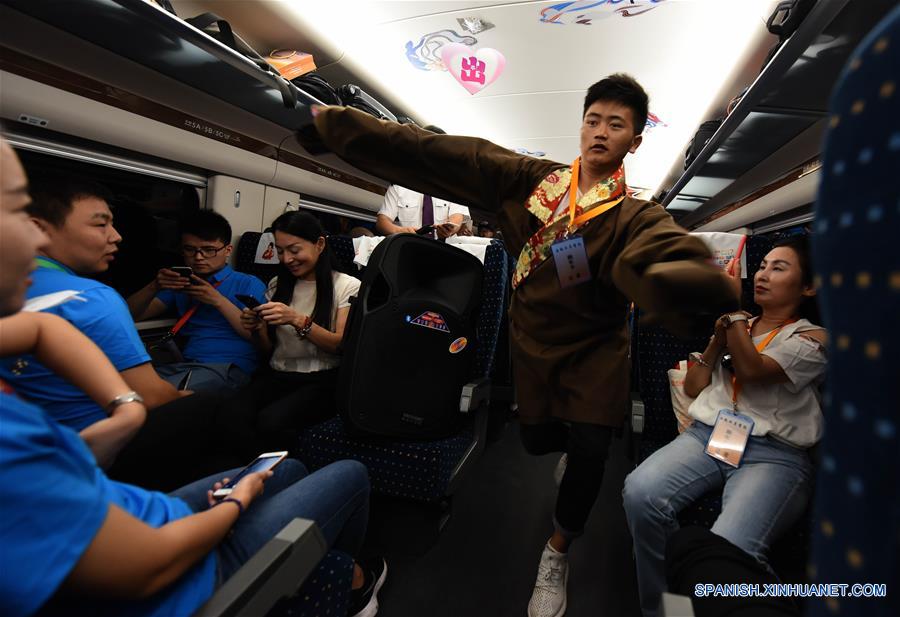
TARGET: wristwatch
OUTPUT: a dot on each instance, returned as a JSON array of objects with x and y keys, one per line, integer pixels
[
  {"x": 123, "y": 399},
  {"x": 733, "y": 317}
]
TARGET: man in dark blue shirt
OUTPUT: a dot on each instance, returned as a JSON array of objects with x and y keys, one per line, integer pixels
[{"x": 218, "y": 350}]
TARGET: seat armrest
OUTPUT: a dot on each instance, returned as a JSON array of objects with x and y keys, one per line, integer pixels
[
  {"x": 474, "y": 394},
  {"x": 675, "y": 605},
  {"x": 276, "y": 571},
  {"x": 637, "y": 415}
]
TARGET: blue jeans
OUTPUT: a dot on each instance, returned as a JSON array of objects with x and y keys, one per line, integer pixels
[
  {"x": 760, "y": 499},
  {"x": 205, "y": 377},
  {"x": 336, "y": 497}
]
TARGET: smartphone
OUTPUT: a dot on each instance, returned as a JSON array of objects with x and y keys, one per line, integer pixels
[
  {"x": 263, "y": 462},
  {"x": 249, "y": 301},
  {"x": 425, "y": 230},
  {"x": 184, "y": 271}
]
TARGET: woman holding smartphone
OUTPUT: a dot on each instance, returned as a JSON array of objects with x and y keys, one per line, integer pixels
[
  {"x": 301, "y": 326},
  {"x": 76, "y": 542}
]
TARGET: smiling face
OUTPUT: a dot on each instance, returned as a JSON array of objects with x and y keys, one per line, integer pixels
[
  {"x": 299, "y": 256},
  {"x": 778, "y": 284},
  {"x": 607, "y": 135},
  {"x": 20, "y": 238}
]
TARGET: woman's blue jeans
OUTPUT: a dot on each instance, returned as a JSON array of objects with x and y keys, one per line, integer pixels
[
  {"x": 760, "y": 499},
  {"x": 336, "y": 497}
]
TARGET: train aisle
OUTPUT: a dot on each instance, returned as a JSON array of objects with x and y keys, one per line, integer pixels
[{"x": 485, "y": 561}]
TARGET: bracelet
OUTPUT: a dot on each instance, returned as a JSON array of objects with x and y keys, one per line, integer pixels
[
  {"x": 697, "y": 357},
  {"x": 303, "y": 330},
  {"x": 233, "y": 500},
  {"x": 124, "y": 399}
]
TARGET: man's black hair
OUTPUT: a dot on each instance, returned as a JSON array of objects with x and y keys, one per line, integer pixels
[
  {"x": 623, "y": 89},
  {"x": 207, "y": 225},
  {"x": 52, "y": 196}
]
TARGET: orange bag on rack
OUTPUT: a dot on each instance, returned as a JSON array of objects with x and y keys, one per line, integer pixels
[{"x": 291, "y": 64}]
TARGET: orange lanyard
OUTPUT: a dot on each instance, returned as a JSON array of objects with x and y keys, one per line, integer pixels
[
  {"x": 574, "y": 221},
  {"x": 736, "y": 386}
]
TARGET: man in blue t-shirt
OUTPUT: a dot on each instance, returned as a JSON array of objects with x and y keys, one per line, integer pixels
[
  {"x": 76, "y": 218},
  {"x": 218, "y": 349}
]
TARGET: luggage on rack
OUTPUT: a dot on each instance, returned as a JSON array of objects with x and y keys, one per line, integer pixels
[
  {"x": 317, "y": 86},
  {"x": 701, "y": 137},
  {"x": 354, "y": 96},
  {"x": 410, "y": 340},
  {"x": 784, "y": 21},
  {"x": 227, "y": 36}
]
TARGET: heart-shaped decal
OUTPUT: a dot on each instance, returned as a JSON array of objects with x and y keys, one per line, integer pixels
[{"x": 474, "y": 70}]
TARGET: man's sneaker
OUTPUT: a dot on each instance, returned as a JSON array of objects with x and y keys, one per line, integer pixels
[
  {"x": 549, "y": 596},
  {"x": 560, "y": 470},
  {"x": 364, "y": 601}
]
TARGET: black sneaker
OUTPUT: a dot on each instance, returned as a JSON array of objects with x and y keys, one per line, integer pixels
[{"x": 364, "y": 601}]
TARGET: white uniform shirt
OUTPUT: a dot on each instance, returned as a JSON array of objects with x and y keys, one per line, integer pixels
[
  {"x": 405, "y": 206},
  {"x": 300, "y": 355},
  {"x": 790, "y": 411}
]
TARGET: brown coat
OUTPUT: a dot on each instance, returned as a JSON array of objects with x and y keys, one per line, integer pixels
[{"x": 570, "y": 346}]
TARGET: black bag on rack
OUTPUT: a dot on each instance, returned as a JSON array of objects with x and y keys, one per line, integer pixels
[
  {"x": 354, "y": 96},
  {"x": 225, "y": 35},
  {"x": 318, "y": 87},
  {"x": 701, "y": 137},
  {"x": 784, "y": 21}
]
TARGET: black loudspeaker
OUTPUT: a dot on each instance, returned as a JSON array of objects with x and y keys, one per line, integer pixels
[{"x": 410, "y": 339}]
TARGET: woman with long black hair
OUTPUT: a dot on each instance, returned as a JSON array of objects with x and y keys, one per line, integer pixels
[{"x": 301, "y": 326}]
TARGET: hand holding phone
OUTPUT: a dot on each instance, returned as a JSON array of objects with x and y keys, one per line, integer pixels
[
  {"x": 263, "y": 462},
  {"x": 183, "y": 271},
  {"x": 249, "y": 301}
]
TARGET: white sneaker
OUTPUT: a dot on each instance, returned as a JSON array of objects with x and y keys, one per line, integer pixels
[
  {"x": 560, "y": 470},
  {"x": 549, "y": 596}
]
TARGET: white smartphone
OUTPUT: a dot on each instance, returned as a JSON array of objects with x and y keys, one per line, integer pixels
[{"x": 263, "y": 462}]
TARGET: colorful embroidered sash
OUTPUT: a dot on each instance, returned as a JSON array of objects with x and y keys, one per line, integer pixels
[{"x": 543, "y": 203}]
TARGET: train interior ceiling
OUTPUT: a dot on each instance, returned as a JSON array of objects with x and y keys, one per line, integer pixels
[{"x": 171, "y": 120}]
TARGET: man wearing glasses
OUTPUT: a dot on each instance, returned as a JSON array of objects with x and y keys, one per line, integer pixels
[{"x": 217, "y": 350}]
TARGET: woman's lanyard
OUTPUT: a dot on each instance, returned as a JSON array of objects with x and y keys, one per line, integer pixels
[
  {"x": 737, "y": 386},
  {"x": 577, "y": 221}
]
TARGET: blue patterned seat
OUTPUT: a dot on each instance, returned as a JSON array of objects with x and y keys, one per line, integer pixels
[
  {"x": 857, "y": 510},
  {"x": 325, "y": 593},
  {"x": 422, "y": 470}
]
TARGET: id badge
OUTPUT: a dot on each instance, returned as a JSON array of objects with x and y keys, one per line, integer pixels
[
  {"x": 571, "y": 261},
  {"x": 729, "y": 437}
]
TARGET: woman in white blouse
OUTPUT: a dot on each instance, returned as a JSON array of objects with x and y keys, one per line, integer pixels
[
  {"x": 766, "y": 369},
  {"x": 302, "y": 326}
]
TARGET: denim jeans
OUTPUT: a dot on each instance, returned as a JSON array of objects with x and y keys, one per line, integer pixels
[
  {"x": 760, "y": 499},
  {"x": 205, "y": 377},
  {"x": 336, "y": 497}
]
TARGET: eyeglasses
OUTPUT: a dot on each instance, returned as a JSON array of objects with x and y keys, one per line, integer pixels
[{"x": 206, "y": 251}]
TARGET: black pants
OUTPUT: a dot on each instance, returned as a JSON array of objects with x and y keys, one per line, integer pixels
[
  {"x": 184, "y": 440},
  {"x": 587, "y": 446},
  {"x": 284, "y": 403}
]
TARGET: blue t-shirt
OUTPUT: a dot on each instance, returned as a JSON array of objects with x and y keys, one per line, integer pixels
[
  {"x": 55, "y": 500},
  {"x": 99, "y": 313},
  {"x": 210, "y": 338}
]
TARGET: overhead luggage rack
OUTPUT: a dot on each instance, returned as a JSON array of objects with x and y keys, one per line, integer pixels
[
  {"x": 150, "y": 36},
  {"x": 785, "y": 105}
]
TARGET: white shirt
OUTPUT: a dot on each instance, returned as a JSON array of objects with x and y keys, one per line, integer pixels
[
  {"x": 300, "y": 355},
  {"x": 405, "y": 206},
  {"x": 790, "y": 411}
]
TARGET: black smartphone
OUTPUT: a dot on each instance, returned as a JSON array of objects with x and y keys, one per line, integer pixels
[
  {"x": 185, "y": 381},
  {"x": 184, "y": 271},
  {"x": 249, "y": 301},
  {"x": 425, "y": 230}
]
